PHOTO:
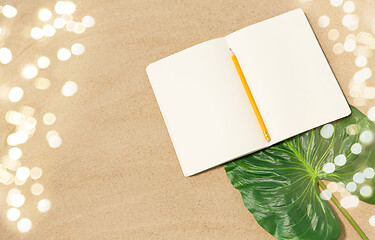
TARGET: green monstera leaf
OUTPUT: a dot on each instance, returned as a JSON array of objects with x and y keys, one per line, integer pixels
[{"x": 279, "y": 185}]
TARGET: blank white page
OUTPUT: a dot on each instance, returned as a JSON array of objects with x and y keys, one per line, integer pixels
[
  {"x": 288, "y": 74},
  {"x": 205, "y": 107}
]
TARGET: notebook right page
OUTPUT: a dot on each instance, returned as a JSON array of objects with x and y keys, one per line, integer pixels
[{"x": 288, "y": 74}]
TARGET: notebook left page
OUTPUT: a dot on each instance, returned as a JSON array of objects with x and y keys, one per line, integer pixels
[{"x": 205, "y": 108}]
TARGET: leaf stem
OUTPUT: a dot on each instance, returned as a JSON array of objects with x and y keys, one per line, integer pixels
[{"x": 345, "y": 213}]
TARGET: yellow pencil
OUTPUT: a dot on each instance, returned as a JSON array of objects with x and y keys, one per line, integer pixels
[{"x": 251, "y": 98}]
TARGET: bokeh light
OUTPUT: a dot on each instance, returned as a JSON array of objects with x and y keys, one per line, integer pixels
[
  {"x": 371, "y": 114},
  {"x": 36, "y": 173},
  {"x": 49, "y": 30},
  {"x": 49, "y": 118},
  {"x": 336, "y": 3},
  {"x": 53, "y": 138},
  {"x": 326, "y": 194},
  {"x": 369, "y": 173},
  {"x": 15, "y": 118},
  {"x": 7, "y": 178},
  {"x": 361, "y": 61},
  {"x": 350, "y": 45},
  {"x": 23, "y": 173},
  {"x": 78, "y": 49},
  {"x": 5, "y": 55},
  {"x": 15, "y": 94},
  {"x": 17, "y": 200},
  {"x": 36, "y": 33},
  {"x": 69, "y": 88},
  {"x": 341, "y": 187},
  {"x": 366, "y": 137},
  {"x": 332, "y": 186},
  {"x": 362, "y": 51},
  {"x": 338, "y": 48},
  {"x": 9, "y": 11},
  {"x": 351, "y": 187},
  {"x": 348, "y": 20},
  {"x": 323, "y": 21},
  {"x": 60, "y": 7},
  {"x": 51, "y": 133},
  {"x": 19, "y": 182},
  {"x": 372, "y": 220},
  {"x": 69, "y": 7},
  {"x": 27, "y": 111},
  {"x": 333, "y": 34},
  {"x": 55, "y": 141},
  {"x": 44, "y": 14},
  {"x": 29, "y": 71},
  {"x": 349, "y": 201},
  {"x": 37, "y": 189},
  {"x": 63, "y": 54},
  {"x": 44, "y": 205},
  {"x": 79, "y": 28},
  {"x": 362, "y": 75},
  {"x": 24, "y": 225},
  {"x": 59, "y": 23},
  {"x": 329, "y": 168},
  {"x": 43, "y": 62},
  {"x": 356, "y": 148},
  {"x": 15, "y": 153},
  {"x": 16, "y": 138},
  {"x": 348, "y": 7},
  {"x": 359, "y": 177},
  {"x": 29, "y": 124},
  {"x": 13, "y": 214},
  {"x": 340, "y": 160},
  {"x": 12, "y": 165},
  {"x": 70, "y": 25},
  {"x": 66, "y": 7},
  {"x": 42, "y": 83},
  {"x": 88, "y": 21},
  {"x": 365, "y": 191},
  {"x": 11, "y": 193},
  {"x": 327, "y": 131}
]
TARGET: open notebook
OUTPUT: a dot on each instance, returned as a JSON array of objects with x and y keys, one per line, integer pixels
[{"x": 206, "y": 109}]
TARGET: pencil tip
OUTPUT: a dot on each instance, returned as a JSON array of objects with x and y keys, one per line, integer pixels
[{"x": 269, "y": 140}]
